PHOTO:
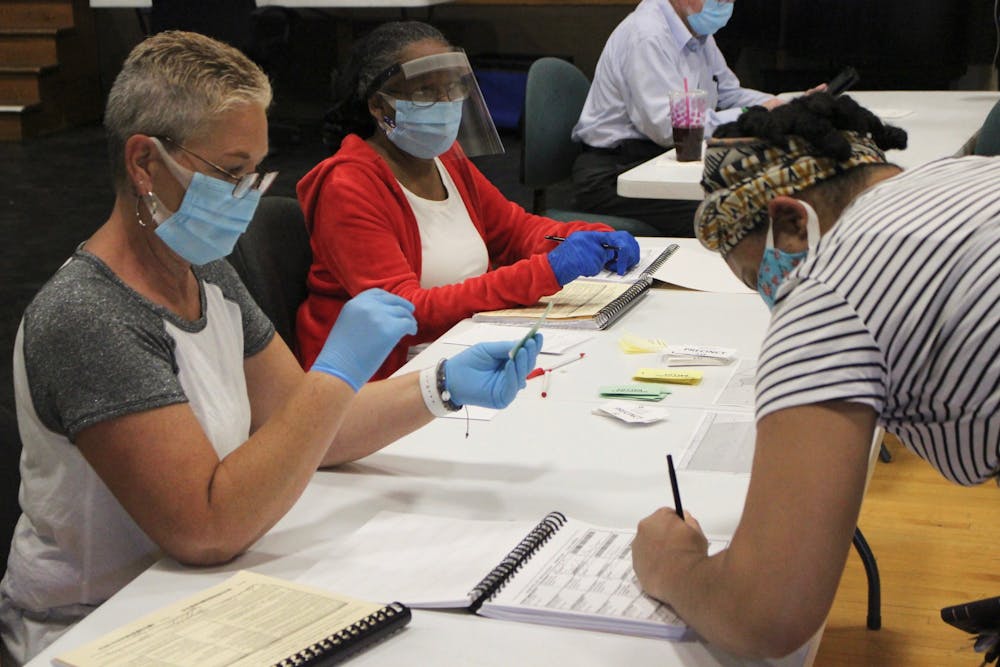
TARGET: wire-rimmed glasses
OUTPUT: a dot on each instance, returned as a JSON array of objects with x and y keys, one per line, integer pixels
[
  {"x": 241, "y": 184},
  {"x": 427, "y": 96}
]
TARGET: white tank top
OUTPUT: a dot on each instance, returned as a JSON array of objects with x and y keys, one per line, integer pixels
[{"x": 450, "y": 244}]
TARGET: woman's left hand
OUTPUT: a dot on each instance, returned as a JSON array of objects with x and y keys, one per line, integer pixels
[
  {"x": 485, "y": 375},
  {"x": 627, "y": 253}
]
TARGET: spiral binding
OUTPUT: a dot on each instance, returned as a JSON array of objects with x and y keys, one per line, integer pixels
[
  {"x": 660, "y": 259},
  {"x": 347, "y": 641},
  {"x": 622, "y": 302},
  {"x": 513, "y": 561},
  {"x": 626, "y": 299}
]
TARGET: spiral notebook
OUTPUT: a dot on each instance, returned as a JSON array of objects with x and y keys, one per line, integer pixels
[
  {"x": 558, "y": 571},
  {"x": 584, "y": 303},
  {"x": 250, "y": 620}
]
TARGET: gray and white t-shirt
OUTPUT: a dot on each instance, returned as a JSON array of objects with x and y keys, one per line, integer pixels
[{"x": 90, "y": 349}]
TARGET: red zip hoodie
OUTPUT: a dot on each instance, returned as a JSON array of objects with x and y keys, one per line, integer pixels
[{"x": 364, "y": 234}]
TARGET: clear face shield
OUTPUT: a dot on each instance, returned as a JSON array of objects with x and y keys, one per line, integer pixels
[{"x": 435, "y": 100}]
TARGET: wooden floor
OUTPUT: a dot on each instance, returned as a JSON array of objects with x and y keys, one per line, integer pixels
[{"x": 936, "y": 544}]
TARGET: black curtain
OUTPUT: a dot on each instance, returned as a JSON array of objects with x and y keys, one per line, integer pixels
[{"x": 225, "y": 20}]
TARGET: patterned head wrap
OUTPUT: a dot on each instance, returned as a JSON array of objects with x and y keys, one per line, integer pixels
[{"x": 742, "y": 175}]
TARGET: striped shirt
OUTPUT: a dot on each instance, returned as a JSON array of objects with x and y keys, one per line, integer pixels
[{"x": 899, "y": 309}]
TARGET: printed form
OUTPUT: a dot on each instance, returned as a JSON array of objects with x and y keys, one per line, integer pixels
[{"x": 587, "y": 571}]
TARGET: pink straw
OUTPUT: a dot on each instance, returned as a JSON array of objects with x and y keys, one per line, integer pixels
[{"x": 687, "y": 101}]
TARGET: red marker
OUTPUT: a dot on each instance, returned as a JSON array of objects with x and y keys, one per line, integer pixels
[{"x": 540, "y": 371}]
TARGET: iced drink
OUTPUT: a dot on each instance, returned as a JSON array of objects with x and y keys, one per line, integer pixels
[{"x": 687, "y": 117}]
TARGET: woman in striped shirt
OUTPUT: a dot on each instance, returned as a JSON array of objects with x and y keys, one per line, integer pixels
[{"x": 884, "y": 288}]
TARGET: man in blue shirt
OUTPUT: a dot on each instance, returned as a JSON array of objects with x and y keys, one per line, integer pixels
[{"x": 626, "y": 118}]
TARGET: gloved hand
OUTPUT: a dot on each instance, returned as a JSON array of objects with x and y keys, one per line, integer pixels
[
  {"x": 484, "y": 375},
  {"x": 586, "y": 253},
  {"x": 365, "y": 332},
  {"x": 628, "y": 251}
]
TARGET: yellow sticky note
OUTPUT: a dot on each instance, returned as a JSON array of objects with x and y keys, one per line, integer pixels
[
  {"x": 636, "y": 345},
  {"x": 671, "y": 375}
]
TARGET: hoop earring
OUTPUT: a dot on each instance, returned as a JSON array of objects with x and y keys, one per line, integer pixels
[
  {"x": 138, "y": 217},
  {"x": 150, "y": 202}
]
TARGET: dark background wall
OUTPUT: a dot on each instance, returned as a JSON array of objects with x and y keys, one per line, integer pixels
[{"x": 773, "y": 45}]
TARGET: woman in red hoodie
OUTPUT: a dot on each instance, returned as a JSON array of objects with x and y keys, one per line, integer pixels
[{"x": 399, "y": 205}]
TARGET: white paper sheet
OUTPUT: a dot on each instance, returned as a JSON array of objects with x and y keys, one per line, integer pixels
[
  {"x": 724, "y": 443},
  {"x": 556, "y": 341},
  {"x": 699, "y": 269},
  {"x": 419, "y": 560},
  {"x": 739, "y": 391},
  {"x": 646, "y": 257}
]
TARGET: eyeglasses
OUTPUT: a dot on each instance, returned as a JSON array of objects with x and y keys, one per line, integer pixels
[
  {"x": 241, "y": 184},
  {"x": 431, "y": 95}
]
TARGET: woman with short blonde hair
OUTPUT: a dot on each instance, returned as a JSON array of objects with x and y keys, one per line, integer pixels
[{"x": 159, "y": 414}]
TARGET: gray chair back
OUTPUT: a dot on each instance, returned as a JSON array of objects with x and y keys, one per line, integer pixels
[
  {"x": 988, "y": 141},
  {"x": 553, "y": 99},
  {"x": 273, "y": 259}
]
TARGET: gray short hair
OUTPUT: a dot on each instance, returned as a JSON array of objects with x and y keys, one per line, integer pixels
[{"x": 171, "y": 84}]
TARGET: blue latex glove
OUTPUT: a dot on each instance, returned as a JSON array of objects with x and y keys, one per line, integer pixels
[
  {"x": 484, "y": 375},
  {"x": 628, "y": 251},
  {"x": 586, "y": 253},
  {"x": 365, "y": 332}
]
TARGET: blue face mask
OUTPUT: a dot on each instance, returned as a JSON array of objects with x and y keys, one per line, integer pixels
[
  {"x": 776, "y": 264},
  {"x": 210, "y": 219},
  {"x": 713, "y": 16},
  {"x": 208, "y": 223},
  {"x": 425, "y": 132}
]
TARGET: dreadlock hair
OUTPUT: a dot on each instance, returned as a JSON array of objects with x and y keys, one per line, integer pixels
[
  {"x": 370, "y": 56},
  {"x": 821, "y": 119}
]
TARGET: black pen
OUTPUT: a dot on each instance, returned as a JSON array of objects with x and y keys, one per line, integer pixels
[
  {"x": 560, "y": 239},
  {"x": 674, "y": 487}
]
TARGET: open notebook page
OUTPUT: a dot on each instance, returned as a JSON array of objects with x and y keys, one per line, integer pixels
[
  {"x": 696, "y": 268},
  {"x": 420, "y": 560},
  {"x": 580, "y": 298},
  {"x": 555, "y": 341},
  {"x": 583, "y": 578},
  {"x": 646, "y": 257}
]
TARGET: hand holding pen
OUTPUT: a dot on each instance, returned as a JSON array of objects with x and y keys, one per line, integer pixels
[
  {"x": 665, "y": 549},
  {"x": 673, "y": 487},
  {"x": 586, "y": 253}
]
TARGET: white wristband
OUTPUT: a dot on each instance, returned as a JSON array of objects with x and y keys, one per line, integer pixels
[{"x": 428, "y": 389}]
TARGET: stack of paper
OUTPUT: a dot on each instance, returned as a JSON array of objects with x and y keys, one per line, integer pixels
[
  {"x": 631, "y": 414},
  {"x": 698, "y": 355},
  {"x": 667, "y": 375},
  {"x": 635, "y": 392},
  {"x": 636, "y": 345}
]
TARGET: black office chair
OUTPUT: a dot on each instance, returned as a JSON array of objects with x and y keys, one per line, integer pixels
[
  {"x": 874, "y": 619},
  {"x": 273, "y": 259},
  {"x": 553, "y": 99},
  {"x": 10, "y": 480},
  {"x": 988, "y": 141}
]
